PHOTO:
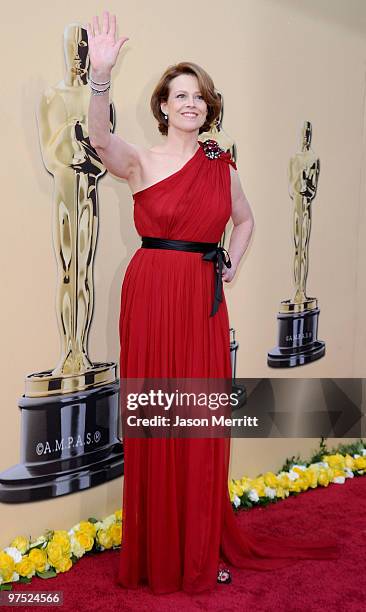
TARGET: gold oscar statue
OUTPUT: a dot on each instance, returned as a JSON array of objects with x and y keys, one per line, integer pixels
[
  {"x": 70, "y": 416},
  {"x": 304, "y": 170},
  {"x": 76, "y": 168},
  {"x": 298, "y": 318}
]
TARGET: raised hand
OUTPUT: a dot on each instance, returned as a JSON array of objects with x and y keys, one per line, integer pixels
[{"x": 103, "y": 46}]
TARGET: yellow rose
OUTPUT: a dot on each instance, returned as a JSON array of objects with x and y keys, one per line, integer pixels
[
  {"x": 236, "y": 489},
  {"x": 323, "y": 478},
  {"x": 335, "y": 461},
  {"x": 270, "y": 479},
  {"x": 60, "y": 533},
  {"x": 104, "y": 538},
  {"x": 284, "y": 481},
  {"x": 360, "y": 463},
  {"x": 296, "y": 485},
  {"x": 313, "y": 477},
  {"x": 25, "y": 567},
  {"x": 7, "y": 566},
  {"x": 54, "y": 552},
  {"x": 115, "y": 531},
  {"x": 245, "y": 482},
  {"x": 306, "y": 479},
  {"x": 118, "y": 515},
  {"x": 302, "y": 483},
  {"x": 21, "y": 543},
  {"x": 280, "y": 492},
  {"x": 86, "y": 527},
  {"x": 63, "y": 565},
  {"x": 39, "y": 559},
  {"x": 259, "y": 486},
  {"x": 298, "y": 470},
  {"x": 62, "y": 538},
  {"x": 85, "y": 540},
  {"x": 349, "y": 461}
]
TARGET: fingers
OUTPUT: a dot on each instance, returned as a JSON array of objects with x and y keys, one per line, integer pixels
[
  {"x": 96, "y": 26},
  {"x": 120, "y": 42},
  {"x": 112, "y": 26},
  {"x": 105, "y": 22}
]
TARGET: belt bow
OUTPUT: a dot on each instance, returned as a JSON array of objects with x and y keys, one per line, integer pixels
[{"x": 220, "y": 256}]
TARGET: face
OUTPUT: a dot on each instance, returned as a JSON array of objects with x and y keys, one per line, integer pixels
[
  {"x": 185, "y": 107},
  {"x": 76, "y": 48}
]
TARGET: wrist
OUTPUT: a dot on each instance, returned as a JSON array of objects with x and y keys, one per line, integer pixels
[{"x": 100, "y": 76}]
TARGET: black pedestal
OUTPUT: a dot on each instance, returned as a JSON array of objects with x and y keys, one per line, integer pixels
[
  {"x": 69, "y": 442},
  {"x": 297, "y": 340},
  {"x": 241, "y": 394}
]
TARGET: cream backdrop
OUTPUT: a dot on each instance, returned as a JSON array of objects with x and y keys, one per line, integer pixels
[{"x": 277, "y": 63}]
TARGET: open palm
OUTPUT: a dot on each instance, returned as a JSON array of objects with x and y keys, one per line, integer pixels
[{"x": 103, "y": 46}]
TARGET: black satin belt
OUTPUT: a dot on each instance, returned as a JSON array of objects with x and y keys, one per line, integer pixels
[{"x": 211, "y": 250}]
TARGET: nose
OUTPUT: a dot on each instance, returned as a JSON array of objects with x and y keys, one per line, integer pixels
[{"x": 190, "y": 101}]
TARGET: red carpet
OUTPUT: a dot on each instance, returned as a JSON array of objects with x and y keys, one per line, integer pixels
[{"x": 323, "y": 586}]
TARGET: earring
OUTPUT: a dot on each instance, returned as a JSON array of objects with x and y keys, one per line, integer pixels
[{"x": 165, "y": 116}]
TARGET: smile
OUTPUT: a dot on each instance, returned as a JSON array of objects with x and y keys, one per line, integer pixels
[{"x": 190, "y": 115}]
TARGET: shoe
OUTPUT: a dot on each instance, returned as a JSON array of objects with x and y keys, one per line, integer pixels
[{"x": 224, "y": 576}]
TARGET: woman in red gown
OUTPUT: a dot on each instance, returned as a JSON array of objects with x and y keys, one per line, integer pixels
[{"x": 178, "y": 522}]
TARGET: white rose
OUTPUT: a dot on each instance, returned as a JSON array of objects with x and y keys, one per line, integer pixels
[
  {"x": 236, "y": 501},
  {"x": 253, "y": 495},
  {"x": 76, "y": 547},
  {"x": 14, "y": 553},
  {"x": 339, "y": 480},
  {"x": 293, "y": 475},
  {"x": 349, "y": 473},
  {"x": 271, "y": 493}
]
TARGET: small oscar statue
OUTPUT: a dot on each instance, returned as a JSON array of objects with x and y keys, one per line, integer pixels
[
  {"x": 70, "y": 414},
  {"x": 298, "y": 318},
  {"x": 218, "y": 133}
]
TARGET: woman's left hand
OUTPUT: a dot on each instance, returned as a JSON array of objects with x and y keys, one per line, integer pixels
[{"x": 228, "y": 273}]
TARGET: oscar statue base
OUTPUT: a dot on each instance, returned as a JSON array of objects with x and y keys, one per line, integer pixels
[
  {"x": 241, "y": 395},
  {"x": 69, "y": 442},
  {"x": 297, "y": 340}
]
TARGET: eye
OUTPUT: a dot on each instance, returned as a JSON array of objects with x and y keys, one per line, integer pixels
[
  {"x": 179, "y": 95},
  {"x": 200, "y": 97}
]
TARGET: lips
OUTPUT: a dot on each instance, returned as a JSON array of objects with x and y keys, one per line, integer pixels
[{"x": 190, "y": 115}]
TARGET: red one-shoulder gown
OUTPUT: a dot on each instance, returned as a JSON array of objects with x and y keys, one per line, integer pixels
[{"x": 177, "y": 518}]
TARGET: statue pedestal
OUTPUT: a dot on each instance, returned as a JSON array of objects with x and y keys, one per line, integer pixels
[
  {"x": 297, "y": 338},
  {"x": 69, "y": 442}
]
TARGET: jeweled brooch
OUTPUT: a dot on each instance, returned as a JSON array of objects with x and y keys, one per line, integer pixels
[{"x": 212, "y": 149}]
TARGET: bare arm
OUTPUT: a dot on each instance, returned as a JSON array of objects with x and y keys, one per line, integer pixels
[
  {"x": 243, "y": 220},
  {"x": 118, "y": 156}
]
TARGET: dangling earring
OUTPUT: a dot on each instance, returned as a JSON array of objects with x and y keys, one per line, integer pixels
[{"x": 165, "y": 116}]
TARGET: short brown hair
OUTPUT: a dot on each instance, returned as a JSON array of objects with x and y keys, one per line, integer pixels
[{"x": 207, "y": 88}]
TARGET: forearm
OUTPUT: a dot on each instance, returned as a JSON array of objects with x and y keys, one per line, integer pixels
[
  {"x": 239, "y": 240},
  {"x": 99, "y": 113}
]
